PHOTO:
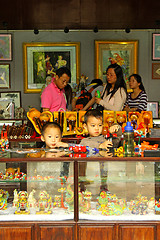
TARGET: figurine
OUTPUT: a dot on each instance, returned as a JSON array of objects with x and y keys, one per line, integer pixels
[
  {"x": 109, "y": 204},
  {"x": 31, "y": 199},
  {"x": 86, "y": 202},
  {"x": 69, "y": 199},
  {"x": 22, "y": 205},
  {"x": 3, "y": 199},
  {"x": 44, "y": 203},
  {"x": 57, "y": 201},
  {"x": 15, "y": 200}
]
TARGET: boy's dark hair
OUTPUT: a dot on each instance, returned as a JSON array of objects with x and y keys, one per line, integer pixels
[
  {"x": 92, "y": 113},
  {"x": 62, "y": 70},
  {"x": 51, "y": 125}
]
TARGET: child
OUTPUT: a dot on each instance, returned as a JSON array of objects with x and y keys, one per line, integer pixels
[
  {"x": 93, "y": 123},
  {"x": 51, "y": 134}
]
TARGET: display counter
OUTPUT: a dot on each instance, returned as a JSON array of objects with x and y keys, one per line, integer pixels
[{"x": 59, "y": 195}]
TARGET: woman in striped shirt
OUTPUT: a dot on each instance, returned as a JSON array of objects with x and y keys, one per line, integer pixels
[{"x": 136, "y": 100}]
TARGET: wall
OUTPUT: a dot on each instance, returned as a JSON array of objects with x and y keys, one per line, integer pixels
[{"x": 86, "y": 38}]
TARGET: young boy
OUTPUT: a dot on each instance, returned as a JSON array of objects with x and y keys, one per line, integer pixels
[
  {"x": 93, "y": 123},
  {"x": 51, "y": 134}
]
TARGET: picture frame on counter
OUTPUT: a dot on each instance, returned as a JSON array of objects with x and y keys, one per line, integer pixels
[
  {"x": 124, "y": 53},
  {"x": 41, "y": 60},
  {"x": 5, "y": 75},
  {"x": 15, "y": 95},
  {"x": 155, "y": 46},
  {"x": 5, "y": 47},
  {"x": 154, "y": 107}
]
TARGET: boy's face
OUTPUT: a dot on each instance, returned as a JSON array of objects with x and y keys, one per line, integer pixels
[
  {"x": 94, "y": 126},
  {"x": 51, "y": 137}
]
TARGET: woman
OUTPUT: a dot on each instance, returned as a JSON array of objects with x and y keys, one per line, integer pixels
[
  {"x": 136, "y": 100},
  {"x": 114, "y": 94}
]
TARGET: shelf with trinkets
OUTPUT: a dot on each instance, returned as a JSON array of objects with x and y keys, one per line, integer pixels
[
  {"x": 54, "y": 195},
  {"x": 72, "y": 124}
]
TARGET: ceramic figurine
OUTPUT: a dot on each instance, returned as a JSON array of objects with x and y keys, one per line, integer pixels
[
  {"x": 31, "y": 199},
  {"x": 22, "y": 205},
  {"x": 69, "y": 199},
  {"x": 57, "y": 201},
  {"x": 15, "y": 200},
  {"x": 3, "y": 199},
  {"x": 86, "y": 202},
  {"x": 109, "y": 204},
  {"x": 44, "y": 203}
]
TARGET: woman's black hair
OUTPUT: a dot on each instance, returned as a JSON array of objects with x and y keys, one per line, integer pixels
[
  {"x": 68, "y": 93},
  {"x": 139, "y": 80},
  {"x": 120, "y": 83}
]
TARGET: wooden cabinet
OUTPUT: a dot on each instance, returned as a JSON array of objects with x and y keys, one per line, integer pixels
[
  {"x": 137, "y": 232},
  {"x": 17, "y": 231},
  {"x": 56, "y": 232},
  {"x": 96, "y": 231}
]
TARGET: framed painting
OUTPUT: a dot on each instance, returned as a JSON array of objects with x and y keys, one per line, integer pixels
[
  {"x": 153, "y": 106},
  {"x": 15, "y": 95},
  {"x": 41, "y": 60},
  {"x": 4, "y": 75},
  {"x": 124, "y": 53},
  {"x": 155, "y": 70},
  {"x": 5, "y": 47},
  {"x": 155, "y": 46}
]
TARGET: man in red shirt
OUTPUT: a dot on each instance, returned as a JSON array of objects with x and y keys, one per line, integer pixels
[{"x": 53, "y": 96}]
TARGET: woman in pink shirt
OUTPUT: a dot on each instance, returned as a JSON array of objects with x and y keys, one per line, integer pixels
[{"x": 53, "y": 96}]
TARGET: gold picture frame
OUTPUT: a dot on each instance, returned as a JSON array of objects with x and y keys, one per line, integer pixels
[
  {"x": 41, "y": 60},
  {"x": 125, "y": 53}
]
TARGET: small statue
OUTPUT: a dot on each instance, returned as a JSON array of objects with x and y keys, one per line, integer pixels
[
  {"x": 15, "y": 200},
  {"x": 44, "y": 203},
  {"x": 22, "y": 205},
  {"x": 86, "y": 202},
  {"x": 31, "y": 199},
  {"x": 3, "y": 199},
  {"x": 57, "y": 201}
]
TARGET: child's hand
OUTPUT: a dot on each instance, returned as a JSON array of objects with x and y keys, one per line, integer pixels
[
  {"x": 105, "y": 154},
  {"x": 114, "y": 129},
  {"x": 106, "y": 144},
  {"x": 61, "y": 144}
]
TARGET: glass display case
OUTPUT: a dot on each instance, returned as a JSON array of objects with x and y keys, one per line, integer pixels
[
  {"x": 34, "y": 187},
  {"x": 119, "y": 190},
  {"x": 46, "y": 194},
  {"x": 35, "y": 190}
]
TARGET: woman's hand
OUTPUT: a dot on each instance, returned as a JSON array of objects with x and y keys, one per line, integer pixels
[{"x": 97, "y": 100}]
